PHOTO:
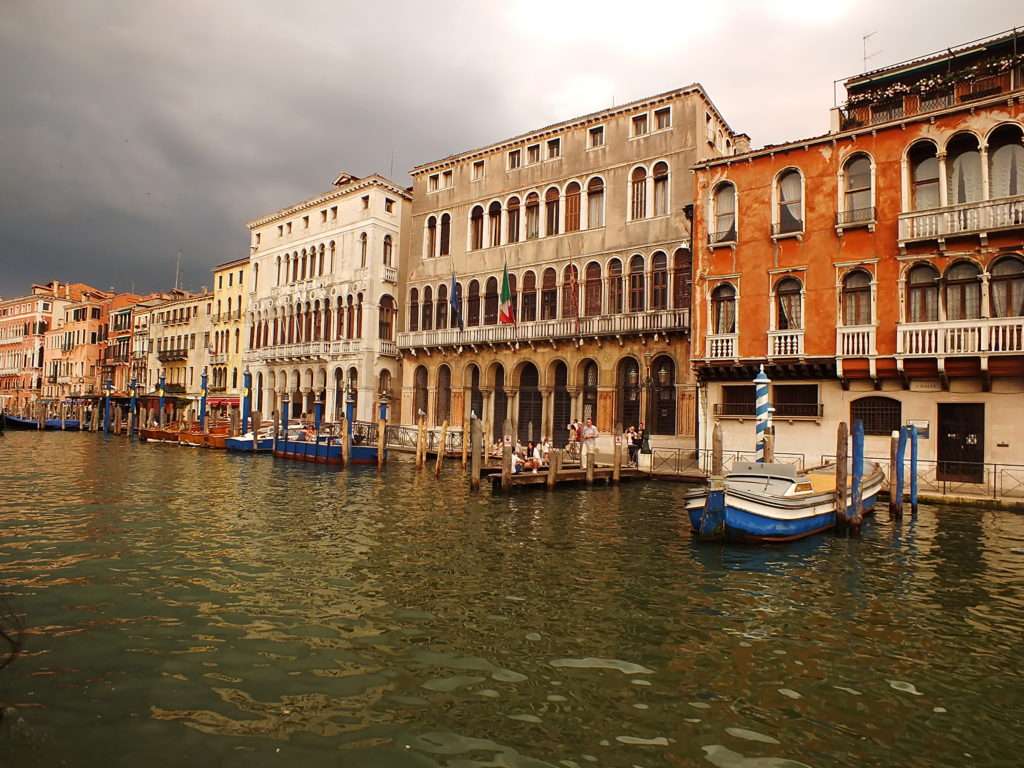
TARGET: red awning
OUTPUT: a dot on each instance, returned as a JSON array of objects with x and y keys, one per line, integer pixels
[{"x": 211, "y": 401}]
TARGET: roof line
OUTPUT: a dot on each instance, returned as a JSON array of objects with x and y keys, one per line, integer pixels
[{"x": 323, "y": 197}]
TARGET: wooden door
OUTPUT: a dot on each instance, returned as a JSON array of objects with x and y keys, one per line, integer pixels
[{"x": 961, "y": 442}]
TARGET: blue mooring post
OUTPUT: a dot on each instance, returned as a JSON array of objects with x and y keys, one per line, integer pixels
[
  {"x": 901, "y": 455},
  {"x": 133, "y": 407},
  {"x": 857, "y": 479},
  {"x": 246, "y": 401},
  {"x": 160, "y": 392},
  {"x": 202, "y": 401},
  {"x": 106, "y": 408},
  {"x": 349, "y": 412},
  {"x": 318, "y": 407},
  {"x": 284, "y": 419},
  {"x": 913, "y": 471},
  {"x": 761, "y": 382}
]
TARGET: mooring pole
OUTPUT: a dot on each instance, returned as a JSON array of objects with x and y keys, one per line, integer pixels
[
  {"x": 901, "y": 455},
  {"x": 894, "y": 446},
  {"x": 617, "y": 455},
  {"x": 475, "y": 438},
  {"x": 857, "y": 490},
  {"x": 441, "y": 448},
  {"x": 506, "y": 457},
  {"x": 842, "y": 516},
  {"x": 382, "y": 432},
  {"x": 761, "y": 383},
  {"x": 913, "y": 471},
  {"x": 716, "y": 450}
]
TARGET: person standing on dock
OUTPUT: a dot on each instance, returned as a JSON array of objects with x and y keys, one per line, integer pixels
[
  {"x": 632, "y": 444},
  {"x": 589, "y": 442}
]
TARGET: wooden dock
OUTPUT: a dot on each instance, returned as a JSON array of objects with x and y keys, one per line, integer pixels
[{"x": 567, "y": 476}]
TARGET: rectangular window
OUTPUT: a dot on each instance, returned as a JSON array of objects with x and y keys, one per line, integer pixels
[
  {"x": 640, "y": 125},
  {"x": 366, "y": 201},
  {"x": 800, "y": 400},
  {"x": 220, "y": 281},
  {"x": 738, "y": 400},
  {"x": 662, "y": 118},
  {"x": 533, "y": 154},
  {"x": 596, "y": 136},
  {"x": 289, "y": 227},
  {"x": 515, "y": 159},
  {"x": 231, "y": 279},
  {"x": 323, "y": 216},
  {"x": 389, "y": 205},
  {"x": 554, "y": 149},
  {"x": 709, "y": 128},
  {"x": 478, "y": 170},
  {"x": 334, "y": 212},
  {"x": 432, "y": 181},
  {"x": 305, "y": 222},
  {"x": 447, "y": 179},
  {"x": 258, "y": 237},
  {"x": 280, "y": 230}
]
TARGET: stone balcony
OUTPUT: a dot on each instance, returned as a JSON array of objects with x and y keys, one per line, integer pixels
[
  {"x": 783, "y": 344},
  {"x": 722, "y": 346},
  {"x": 652, "y": 322},
  {"x": 218, "y": 358},
  {"x": 321, "y": 350},
  {"x": 977, "y": 218},
  {"x": 982, "y": 338}
]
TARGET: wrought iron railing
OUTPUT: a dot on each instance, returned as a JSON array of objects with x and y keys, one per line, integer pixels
[{"x": 855, "y": 216}]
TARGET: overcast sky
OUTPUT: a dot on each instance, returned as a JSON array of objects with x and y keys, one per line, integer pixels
[{"x": 132, "y": 131}]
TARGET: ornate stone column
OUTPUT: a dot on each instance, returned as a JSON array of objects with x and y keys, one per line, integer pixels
[{"x": 546, "y": 412}]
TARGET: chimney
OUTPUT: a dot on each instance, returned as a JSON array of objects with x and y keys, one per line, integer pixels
[{"x": 741, "y": 143}]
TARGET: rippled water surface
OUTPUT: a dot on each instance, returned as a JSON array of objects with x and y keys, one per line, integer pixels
[{"x": 192, "y": 607}]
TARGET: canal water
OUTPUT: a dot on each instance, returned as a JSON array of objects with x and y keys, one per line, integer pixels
[{"x": 190, "y": 607}]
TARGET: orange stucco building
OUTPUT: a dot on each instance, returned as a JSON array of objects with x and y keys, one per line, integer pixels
[{"x": 877, "y": 271}]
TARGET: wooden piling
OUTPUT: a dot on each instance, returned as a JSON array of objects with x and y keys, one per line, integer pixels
[
  {"x": 421, "y": 442},
  {"x": 590, "y": 467},
  {"x": 346, "y": 442},
  {"x": 913, "y": 471},
  {"x": 277, "y": 426},
  {"x": 506, "y": 457},
  {"x": 857, "y": 481},
  {"x": 131, "y": 423},
  {"x": 476, "y": 438},
  {"x": 95, "y": 418},
  {"x": 235, "y": 420},
  {"x": 382, "y": 441},
  {"x": 769, "y": 445},
  {"x": 901, "y": 455},
  {"x": 554, "y": 459},
  {"x": 465, "y": 447},
  {"x": 842, "y": 441},
  {"x": 617, "y": 454},
  {"x": 440, "y": 448},
  {"x": 716, "y": 451}
]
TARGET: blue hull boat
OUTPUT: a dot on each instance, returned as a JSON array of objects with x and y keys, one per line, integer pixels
[
  {"x": 324, "y": 452},
  {"x": 243, "y": 444},
  {"x": 773, "y": 503},
  {"x": 20, "y": 422}
]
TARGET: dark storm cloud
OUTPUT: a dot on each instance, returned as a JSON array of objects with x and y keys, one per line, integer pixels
[{"x": 130, "y": 131}]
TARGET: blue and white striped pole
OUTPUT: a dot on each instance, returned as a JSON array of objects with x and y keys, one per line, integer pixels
[{"x": 761, "y": 382}]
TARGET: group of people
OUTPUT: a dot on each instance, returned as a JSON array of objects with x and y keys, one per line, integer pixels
[{"x": 581, "y": 444}]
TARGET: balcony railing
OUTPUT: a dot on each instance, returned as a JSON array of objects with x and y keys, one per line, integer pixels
[
  {"x": 725, "y": 237},
  {"x": 172, "y": 354},
  {"x": 855, "y": 217},
  {"x": 542, "y": 330},
  {"x": 390, "y": 275},
  {"x": 963, "y": 219},
  {"x": 387, "y": 348},
  {"x": 784, "y": 229},
  {"x": 785, "y": 343},
  {"x": 980, "y": 337},
  {"x": 746, "y": 409},
  {"x": 218, "y": 358},
  {"x": 855, "y": 341},
  {"x": 722, "y": 346}
]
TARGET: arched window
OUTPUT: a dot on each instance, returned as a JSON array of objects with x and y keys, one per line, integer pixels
[
  {"x": 615, "y": 303},
  {"x": 963, "y": 169},
  {"x": 663, "y": 396},
  {"x": 561, "y": 405},
  {"x": 595, "y": 203},
  {"x": 500, "y": 403},
  {"x": 278, "y": 271},
  {"x": 963, "y": 291},
  {"x": 590, "y": 375},
  {"x": 529, "y": 414},
  {"x": 1006, "y": 162},
  {"x": 353, "y": 390},
  {"x": 420, "y": 392},
  {"x": 660, "y": 174},
  {"x": 494, "y": 223},
  {"x": 789, "y": 193},
  {"x": 1007, "y": 287},
  {"x": 592, "y": 302},
  {"x": 320, "y": 261},
  {"x": 359, "y": 315},
  {"x": 857, "y": 197},
  {"x": 491, "y": 301},
  {"x": 723, "y": 309},
  {"x": 924, "y": 175},
  {"x": 512, "y": 213},
  {"x": 384, "y": 387},
  {"x": 387, "y": 250},
  {"x": 414, "y": 309},
  {"x": 570, "y": 291},
  {"x": 476, "y": 395},
  {"x": 879, "y": 415},
  {"x": 473, "y": 303},
  {"x": 857, "y": 298},
  {"x": 551, "y": 201},
  {"x": 514, "y": 297},
  {"x": 638, "y": 194},
  {"x": 923, "y": 294},
  {"x": 659, "y": 280},
  {"x": 682, "y": 266},
  {"x": 476, "y": 228},
  {"x": 442, "y": 307},
  {"x": 549, "y": 295},
  {"x": 316, "y": 321},
  {"x": 529, "y": 309},
  {"x": 302, "y": 269},
  {"x": 722, "y": 227},
  {"x": 788, "y": 305},
  {"x": 350, "y": 324},
  {"x": 636, "y": 283},
  {"x": 627, "y": 386},
  {"x": 428, "y": 308},
  {"x": 532, "y": 216},
  {"x": 331, "y": 249},
  {"x": 443, "y": 403},
  {"x": 295, "y": 267},
  {"x": 362, "y": 249},
  {"x": 430, "y": 241},
  {"x": 446, "y": 234},
  {"x": 572, "y": 207}
]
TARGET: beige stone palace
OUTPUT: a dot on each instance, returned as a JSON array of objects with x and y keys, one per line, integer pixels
[{"x": 591, "y": 217}]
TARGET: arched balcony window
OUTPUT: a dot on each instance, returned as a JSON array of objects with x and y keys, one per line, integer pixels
[
  {"x": 549, "y": 295},
  {"x": 857, "y": 195},
  {"x": 420, "y": 392},
  {"x": 320, "y": 261},
  {"x": 476, "y": 228},
  {"x": 963, "y": 170},
  {"x": 362, "y": 249},
  {"x": 529, "y": 308},
  {"x": 722, "y": 227},
  {"x": 924, "y": 176},
  {"x": 442, "y": 307},
  {"x": 414, "y": 309},
  {"x": 627, "y": 386},
  {"x": 491, "y": 301},
  {"x": 636, "y": 283},
  {"x": 473, "y": 303},
  {"x": 512, "y": 215},
  {"x": 295, "y": 267},
  {"x": 638, "y": 194},
  {"x": 682, "y": 276},
  {"x": 446, "y": 234},
  {"x": 615, "y": 295},
  {"x": 789, "y": 201},
  {"x": 494, "y": 223},
  {"x": 963, "y": 291},
  {"x": 1006, "y": 286},
  {"x": 595, "y": 203},
  {"x": 1006, "y": 162},
  {"x": 923, "y": 294},
  {"x": 430, "y": 241},
  {"x": 570, "y": 291},
  {"x": 551, "y": 204},
  {"x": 659, "y": 280},
  {"x": 788, "y": 305},
  {"x": 660, "y": 173},
  {"x": 663, "y": 396},
  {"x": 532, "y": 216},
  {"x": 387, "y": 250},
  {"x": 572, "y": 207},
  {"x": 592, "y": 303},
  {"x": 428, "y": 308},
  {"x": 723, "y": 309},
  {"x": 443, "y": 402},
  {"x": 857, "y": 298}
]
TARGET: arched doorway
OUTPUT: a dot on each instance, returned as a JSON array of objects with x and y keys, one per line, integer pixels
[
  {"x": 259, "y": 392},
  {"x": 529, "y": 416},
  {"x": 296, "y": 396},
  {"x": 419, "y": 393},
  {"x": 443, "y": 403},
  {"x": 353, "y": 391},
  {"x": 500, "y": 412},
  {"x": 590, "y": 391},
  {"x": 627, "y": 393},
  {"x": 339, "y": 395},
  {"x": 561, "y": 406},
  {"x": 662, "y": 419},
  {"x": 476, "y": 397}
]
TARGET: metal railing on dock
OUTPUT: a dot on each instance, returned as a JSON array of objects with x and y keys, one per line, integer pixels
[{"x": 689, "y": 461}]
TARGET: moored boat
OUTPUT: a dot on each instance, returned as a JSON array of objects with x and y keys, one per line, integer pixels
[
  {"x": 167, "y": 434},
  {"x": 774, "y": 503},
  {"x": 24, "y": 422}
]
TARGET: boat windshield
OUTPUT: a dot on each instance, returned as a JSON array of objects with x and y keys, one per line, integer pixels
[{"x": 765, "y": 485}]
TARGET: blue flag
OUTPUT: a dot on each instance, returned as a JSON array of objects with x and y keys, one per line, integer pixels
[{"x": 455, "y": 300}]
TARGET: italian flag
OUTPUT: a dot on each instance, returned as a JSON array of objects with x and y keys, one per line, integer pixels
[{"x": 505, "y": 314}]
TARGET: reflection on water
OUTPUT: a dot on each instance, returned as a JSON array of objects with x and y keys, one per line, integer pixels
[{"x": 192, "y": 606}]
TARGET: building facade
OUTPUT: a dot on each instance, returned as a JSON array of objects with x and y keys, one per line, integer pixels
[
  {"x": 117, "y": 351},
  {"x": 591, "y": 219},
  {"x": 179, "y": 335},
  {"x": 230, "y": 313},
  {"x": 323, "y": 299},
  {"x": 76, "y": 344},
  {"x": 876, "y": 272}
]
